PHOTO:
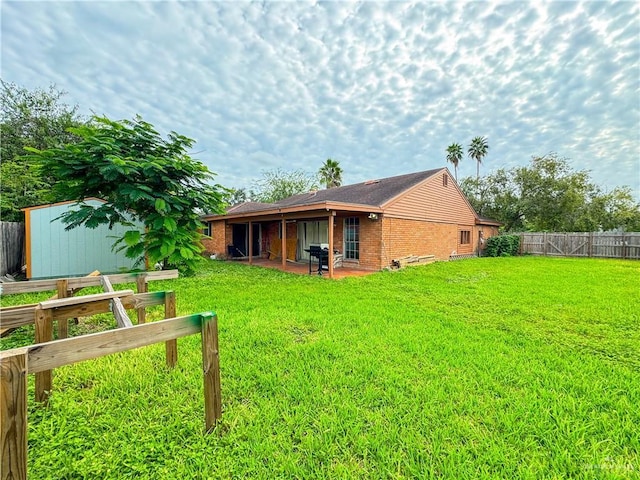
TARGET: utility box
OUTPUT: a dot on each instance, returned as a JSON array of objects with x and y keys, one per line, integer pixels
[{"x": 52, "y": 251}]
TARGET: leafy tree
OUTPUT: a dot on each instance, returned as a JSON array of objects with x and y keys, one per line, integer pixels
[
  {"x": 37, "y": 119},
  {"x": 236, "y": 196},
  {"x": 478, "y": 149},
  {"x": 454, "y": 155},
  {"x": 548, "y": 195},
  {"x": 141, "y": 175},
  {"x": 330, "y": 173},
  {"x": 278, "y": 184}
]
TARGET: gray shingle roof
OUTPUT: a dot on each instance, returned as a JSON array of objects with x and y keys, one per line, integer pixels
[{"x": 371, "y": 193}]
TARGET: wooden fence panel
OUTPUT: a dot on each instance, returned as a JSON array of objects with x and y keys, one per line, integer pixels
[
  {"x": 11, "y": 247},
  {"x": 581, "y": 244}
]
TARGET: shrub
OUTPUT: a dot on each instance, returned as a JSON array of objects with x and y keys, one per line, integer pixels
[{"x": 502, "y": 246}]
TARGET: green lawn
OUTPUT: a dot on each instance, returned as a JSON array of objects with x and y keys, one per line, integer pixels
[{"x": 486, "y": 368}]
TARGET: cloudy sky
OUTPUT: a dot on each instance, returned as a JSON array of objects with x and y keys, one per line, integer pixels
[{"x": 381, "y": 87}]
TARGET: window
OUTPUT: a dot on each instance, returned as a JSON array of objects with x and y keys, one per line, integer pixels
[
  {"x": 206, "y": 231},
  {"x": 352, "y": 238},
  {"x": 445, "y": 180},
  {"x": 465, "y": 237}
]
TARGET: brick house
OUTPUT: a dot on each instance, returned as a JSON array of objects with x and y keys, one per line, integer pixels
[{"x": 366, "y": 224}]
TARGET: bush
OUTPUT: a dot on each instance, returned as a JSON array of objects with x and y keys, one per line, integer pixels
[{"x": 502, "y": 246}]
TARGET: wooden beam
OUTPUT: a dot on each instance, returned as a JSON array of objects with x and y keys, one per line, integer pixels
[
  {"x": 43, "y": 334},
  {"x": 141, "y": 287},
  {"x": 67, "y": 351},
  {"x": 13, "y": 317},
  {"x": 13, "y": 415},
  {"x": 171, "y": 346},
  {"x": 63, "y": 292},
  {"x": 330, "y": 257},
  {"x": 122, "y": 318},
  {"x": 211, "y": 370},
  {"x": 284, "y": 243},
  {"x": 62, "y": 302},
  {"x": 31, "y": 286},
  {"x": 250, "y": 242}
]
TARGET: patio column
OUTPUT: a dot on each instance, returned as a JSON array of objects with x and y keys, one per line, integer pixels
[
  {"x": 330, "y": 259},
  {"x": 284, "y": 243},
  {"x": 250, "y": 242}
]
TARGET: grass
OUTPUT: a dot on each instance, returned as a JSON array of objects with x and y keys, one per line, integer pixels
[{"x": 488, "y": 368}]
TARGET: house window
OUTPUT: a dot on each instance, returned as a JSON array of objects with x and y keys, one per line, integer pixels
[
  {"x": 445, "y": 180},
  {"x": 352, "y": 238},
  {"x": 465, "y": 237},
  {"x": 206, "y": 231}
]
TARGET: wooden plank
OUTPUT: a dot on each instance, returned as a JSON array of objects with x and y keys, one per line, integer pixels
[
  {"x": 122, "y": 318},
  {"x": 171, "y": 346},
  {"x": 211, "y": 370},
  {"x": 43, "y": 334},
  {"x": 13, "y": 415},
  {"x": 142, "y": 287},
  {"x": 67, "y": 351},
  {"x": 63, "y": 292},
  {"x": 83, "y": 299},
  {"x": 81, "y": 282},
  {"x": 13, "y": 317}
]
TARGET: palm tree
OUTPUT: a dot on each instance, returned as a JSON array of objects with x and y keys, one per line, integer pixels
[
  {"x": 478, "y": 150},
  {"x": 330, "y": 173},
  {"x": 454, "y": 155}
]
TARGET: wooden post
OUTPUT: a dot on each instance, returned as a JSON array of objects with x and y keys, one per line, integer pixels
[
  {"x": 63, "y": 292},
  {"x": 250, "y": 242},
  {"x": 44, "y": 333},
  {"x": 211, "y": 371},
  {"x": 122, "y": 318},
  {"x": 330, "y": 257},
  {"x": 13, "y": 416},
  {"x": 142, "y": 287},
  {"x": 171, "y": 346},
  {"x": 284, "y": 243}
]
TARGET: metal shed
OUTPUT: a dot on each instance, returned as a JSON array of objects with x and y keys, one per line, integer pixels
[{"x": 52, "y": 251}]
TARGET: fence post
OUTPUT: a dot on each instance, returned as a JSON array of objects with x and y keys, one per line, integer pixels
[
  {"x": 544, "y": 243},
  {"x": 211, "y": 370},
  {"x": 142, "y": 287},
  {"x": 590, "y": 245},
  {"x": 13, "y": 416},
  {"x": 171, "y": 346},
  {"x": 44, "y": 333},
  {"x": 63, "y": 292}
]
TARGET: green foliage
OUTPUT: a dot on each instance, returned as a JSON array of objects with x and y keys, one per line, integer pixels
[
  {"x": 278, "y": 184},
  {"x": 139, "y": 174},
  {"x": 514, "y": 368},
  {"x": 37, "y": 119},
  {"x": 454, "y": 155},
  {"x": 330, "y": 173},
  {"x": 502, "y": 246},
  {"x": 548, "y": 195},
  {"x": 478, "y": 149}
]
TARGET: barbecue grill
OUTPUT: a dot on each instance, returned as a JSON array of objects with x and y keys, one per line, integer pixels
[{"x": 321, "y": 253}]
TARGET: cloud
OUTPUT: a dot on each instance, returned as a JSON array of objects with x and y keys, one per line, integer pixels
[{"x": 382, "y": 87}]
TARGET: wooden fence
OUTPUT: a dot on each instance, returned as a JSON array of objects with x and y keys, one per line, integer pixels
[
  {"x": 593, "y": 244},
  {"x": 11, "y": 247},
  {"x": 47, "y": 354}
]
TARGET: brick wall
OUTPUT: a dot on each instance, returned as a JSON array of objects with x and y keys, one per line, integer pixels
[{"x": 220, "y": 238}]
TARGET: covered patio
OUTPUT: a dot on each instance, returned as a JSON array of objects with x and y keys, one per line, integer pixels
[{"x": 302, "y": 268}]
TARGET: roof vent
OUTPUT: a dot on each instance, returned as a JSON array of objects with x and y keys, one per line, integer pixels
[{"x": 371, "y": 182}]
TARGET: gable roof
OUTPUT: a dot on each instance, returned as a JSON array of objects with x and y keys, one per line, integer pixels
[{"x": 374, "y": 193}]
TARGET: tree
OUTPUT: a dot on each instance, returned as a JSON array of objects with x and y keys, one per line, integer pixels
[
  {"x": 478, "y": 149},
  {"x": 236, "y": 196},
  {"x": 37, "y": 119},
  {"x": 141, "y": 175},
  {"x": 330, "y": 173},
  {"x": 278, "y": 184},
  {"x": 454, "y": 155},
  {"x": 548, "y": 195}
]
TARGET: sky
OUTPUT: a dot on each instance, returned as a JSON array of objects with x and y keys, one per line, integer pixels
[{"x": 381, "y": 87}]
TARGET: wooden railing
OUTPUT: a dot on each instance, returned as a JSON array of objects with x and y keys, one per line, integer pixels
[{"x": 47, "y": 354}]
